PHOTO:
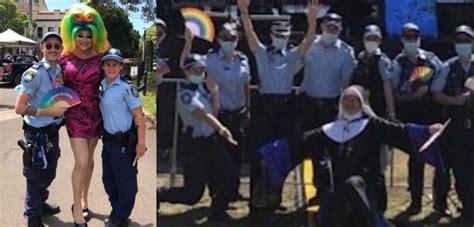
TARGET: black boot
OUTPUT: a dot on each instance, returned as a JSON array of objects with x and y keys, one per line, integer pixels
[
  {"x": 50, "y": 209},
  {"x": 35, "y": 222}
]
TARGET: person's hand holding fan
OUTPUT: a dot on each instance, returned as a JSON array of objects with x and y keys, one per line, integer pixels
[{"x": 420, "y": 76}]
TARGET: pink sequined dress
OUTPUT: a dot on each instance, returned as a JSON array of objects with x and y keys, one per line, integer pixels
[{"x": 83, "y": 76}]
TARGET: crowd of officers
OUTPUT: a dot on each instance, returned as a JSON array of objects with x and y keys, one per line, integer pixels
[{"x": 329, "y": 66}]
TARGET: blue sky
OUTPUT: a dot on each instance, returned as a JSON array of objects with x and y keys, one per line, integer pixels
[{"x": 138, "y": 23}]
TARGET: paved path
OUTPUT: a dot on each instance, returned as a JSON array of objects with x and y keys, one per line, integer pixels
[{"x": 12, "y": 182}]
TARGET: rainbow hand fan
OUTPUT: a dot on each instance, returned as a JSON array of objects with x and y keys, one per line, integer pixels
[
  {"x": 422, "y": 73},
  {"x": 62, "y": 96},
  {"x": 199, "y": 23}
]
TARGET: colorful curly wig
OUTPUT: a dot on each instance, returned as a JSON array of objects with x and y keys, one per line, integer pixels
[{"x": 81, "y": 16}]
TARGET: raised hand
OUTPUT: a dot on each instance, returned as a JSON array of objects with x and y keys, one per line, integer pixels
[
  {"x": 188, "y": 35},
  {"x": 243, "y": 4},
  {"x": 312, "y": 10}
]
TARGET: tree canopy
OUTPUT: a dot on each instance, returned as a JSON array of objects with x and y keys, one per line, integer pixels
[
  {"x": 120, "y": 30},
  {"x": 11, "y": 17}
]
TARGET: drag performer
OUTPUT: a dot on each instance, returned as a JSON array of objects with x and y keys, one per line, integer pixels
[
  {"x": 85, "y": 39},
  {"x": 348, "y": 152},
  {"x": 207, "y": 161},
  {"x": 275, "y": 119}
]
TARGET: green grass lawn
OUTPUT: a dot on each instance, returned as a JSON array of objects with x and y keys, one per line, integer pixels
[{"x": 149, "y": 101}]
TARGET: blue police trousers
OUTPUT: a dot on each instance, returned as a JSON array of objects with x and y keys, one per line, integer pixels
[
  {"x": 119, "y": 177},
  {"x": 39, "y": 179}
]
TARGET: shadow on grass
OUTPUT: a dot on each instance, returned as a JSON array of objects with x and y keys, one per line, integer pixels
[{"x": 198, "y": 217}]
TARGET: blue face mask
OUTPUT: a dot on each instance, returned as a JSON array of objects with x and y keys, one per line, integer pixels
[
  {"x": 228, "y": 46},
  {"x": 411, "y": 47},
  {"x": 463, "y": 49},
  {"x": 329, "y": 38}
]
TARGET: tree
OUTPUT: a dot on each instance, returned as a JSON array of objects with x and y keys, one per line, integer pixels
[
  {"x": 120, "y": 30},
  {"x": 11, "y": 17},
  {"x": 147, "y": 7}
]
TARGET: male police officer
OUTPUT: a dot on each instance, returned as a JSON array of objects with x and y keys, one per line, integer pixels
[
  {"x": 450, "y": 91},
  {"x": 328, "y": 66},
  {"x": 40, "y": 127},
  {"x": 276, "y": 66},
  {"x": 413, "y": 100}
]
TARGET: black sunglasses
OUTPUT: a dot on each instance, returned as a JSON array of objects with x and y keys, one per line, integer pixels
[{"x": 56, "y": 46}]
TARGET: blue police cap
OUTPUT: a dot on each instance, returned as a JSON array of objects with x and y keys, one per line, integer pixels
[
  {"x": 410, "y": 27},
  {"x": 49, "y": 34},
  {"x": 230, "y": 28},
  {"x": 112, "y": 53},
  {"x": 281, "y": 28},
  {"x": 194, "y": 60},
  {"x": 333, "y": 18},
  {"x": 372, "y": 30},
  {"x": 464, "y": 29}
]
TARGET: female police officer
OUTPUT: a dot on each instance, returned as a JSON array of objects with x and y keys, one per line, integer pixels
[
  {"x": 123, "y": 138},
  {"x": 207, "y": 160}
]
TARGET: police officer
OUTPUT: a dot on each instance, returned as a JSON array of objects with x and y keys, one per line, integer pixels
[
  {"x": 123, "y": 138},
  {"x": 229, "y": 78},
  {"x": 328, "y": 66},
  {"x": 450, "y": 91},
  {"x": 373, "y": 73},
  {"x": 275, "y": 118},
  {"x": 413, "y": 100},
  {"x": 40, "y": 125},
  {"x": 207, "y": 161}
]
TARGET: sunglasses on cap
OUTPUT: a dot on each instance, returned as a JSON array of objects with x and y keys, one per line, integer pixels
[{"x": 56, "y": 46}]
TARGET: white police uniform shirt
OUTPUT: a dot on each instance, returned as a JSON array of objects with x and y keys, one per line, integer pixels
[
  {"x": 230, "y": 76},
  {"x": 36, "y": 82},
  {"x": 276, "y": 69},
  {"x": 190, "y": 100},
  {"x": 327, "y": 69},
  {"x": 117, "y": 102}
]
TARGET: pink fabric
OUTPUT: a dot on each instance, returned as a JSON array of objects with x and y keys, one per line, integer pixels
[{"x": 83, "y": 76}]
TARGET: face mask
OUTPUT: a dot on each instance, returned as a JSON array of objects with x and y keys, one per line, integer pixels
[
  {"x": 279, "y": 43},
  {"x": 371, "y": 46},
  {"x": 411, "y": 47},
  {"x": 228, "y": 46},
  {"x": 463, "y": 49},
  {"x": 196, "y": 79},
  {"x": 329, "y": 38}
]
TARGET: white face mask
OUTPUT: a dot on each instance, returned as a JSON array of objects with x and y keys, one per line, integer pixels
[
  {"x": 371, "y": 46},
  {"x": 196, "y": 79},
  {"x": 329, "y": 38},
  {"x": 279, "y": 43}
]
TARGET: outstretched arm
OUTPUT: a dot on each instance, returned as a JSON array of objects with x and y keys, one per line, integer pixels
[
  {"x": 188, "y": 44},
  {"x": 312, "y": 9},
  {"x": 252, "y": 37}
]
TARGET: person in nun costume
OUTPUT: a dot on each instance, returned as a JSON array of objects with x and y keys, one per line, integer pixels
[{"x": 348, "y": 151}]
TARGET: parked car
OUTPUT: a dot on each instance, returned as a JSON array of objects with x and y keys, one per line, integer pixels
[{"x": 13, "y": 70}]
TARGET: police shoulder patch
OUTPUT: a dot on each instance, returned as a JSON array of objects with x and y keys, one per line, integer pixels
[
  {"x": 186, "y": 98},
  {"x": 29, "y": 75},
  {"x": 134, "y": 91}
]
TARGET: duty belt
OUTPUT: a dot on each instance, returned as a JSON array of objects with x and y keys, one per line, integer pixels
[
  {"x": 50, "y": 129},
  {"x": 321, "y": 101}
]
